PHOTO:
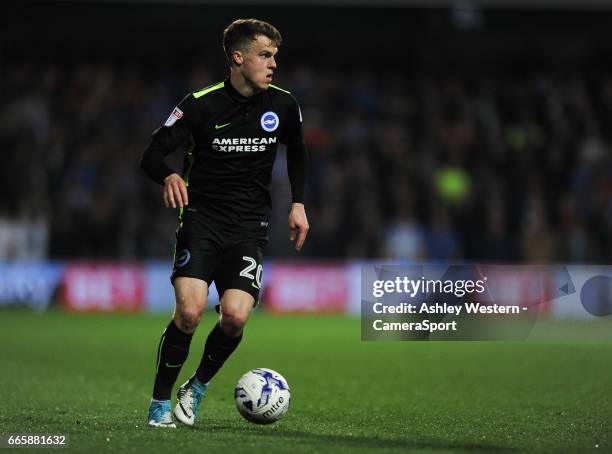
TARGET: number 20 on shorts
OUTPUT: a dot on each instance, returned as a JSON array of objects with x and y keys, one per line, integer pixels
[{"x": 247, "y": 271}]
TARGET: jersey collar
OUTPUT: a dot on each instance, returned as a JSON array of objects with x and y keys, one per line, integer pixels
[{"x": 237, "y": 96}]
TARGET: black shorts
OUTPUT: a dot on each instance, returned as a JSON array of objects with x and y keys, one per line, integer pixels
[{"x": 230, "y": 259}]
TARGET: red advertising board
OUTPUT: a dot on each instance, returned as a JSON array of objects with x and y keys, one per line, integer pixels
[
  {"x": 103, "y": 287},
  {"x": 521, "y": 285},
  {"x": 306, "y": 288}
]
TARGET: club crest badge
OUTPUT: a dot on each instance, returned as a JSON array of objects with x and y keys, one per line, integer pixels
[{"x": 269, "y": 121}]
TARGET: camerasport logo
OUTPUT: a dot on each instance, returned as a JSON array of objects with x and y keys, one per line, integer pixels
[
  {"x": 176, "y": 114},
  {"x": 269, "y": 121}
]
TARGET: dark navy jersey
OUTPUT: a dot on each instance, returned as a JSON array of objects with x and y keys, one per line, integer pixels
[{"x": 232, "y": 142}]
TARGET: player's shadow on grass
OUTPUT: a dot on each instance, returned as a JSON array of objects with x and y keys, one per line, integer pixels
[{"x": 355, "y": 441}]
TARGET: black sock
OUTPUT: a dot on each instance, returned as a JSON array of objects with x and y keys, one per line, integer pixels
[
  {"x": 217, "y": 349},
  {"x": 171, "y": 354}
]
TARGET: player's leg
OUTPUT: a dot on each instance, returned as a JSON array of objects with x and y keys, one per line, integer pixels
[
  {"x": 226, "y": 335},
  {"x": 191, "y": 295},
  {"x": 196, "y": 250},
  {"x": 220, "y": 344},
  {"x": 237, "y": 278}
]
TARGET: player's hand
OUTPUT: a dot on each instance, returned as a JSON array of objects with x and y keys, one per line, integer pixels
[
  {"x": 298, "y": 225},
  {"x": 175, "y": 191}
]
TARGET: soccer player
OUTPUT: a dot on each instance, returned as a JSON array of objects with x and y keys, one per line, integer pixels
[{"x": 232, "y": 130}]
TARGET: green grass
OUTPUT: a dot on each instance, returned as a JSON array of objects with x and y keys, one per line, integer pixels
[{"x": 90, "y": 376}]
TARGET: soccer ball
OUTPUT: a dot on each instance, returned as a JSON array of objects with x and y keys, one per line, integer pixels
[{"x": 262, "y": 396}]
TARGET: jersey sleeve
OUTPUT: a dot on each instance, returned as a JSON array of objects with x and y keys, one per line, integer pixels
[
  {"x": 175, "y": 131},
  {"x": 297, "y": 155}
]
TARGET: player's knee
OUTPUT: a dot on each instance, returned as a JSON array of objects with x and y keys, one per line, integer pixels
[
  {"x": 188, "y": 318},
  {"x": 233, "y": 321},
  {"x": 191, "y": 295},
  {"x": 236, "y": 319}
]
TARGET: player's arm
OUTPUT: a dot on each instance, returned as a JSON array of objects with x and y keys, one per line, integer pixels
[
  {"x": 165, "y": 140},
  {"x": 153, "y": 163},
  {"x": 297, "y": 163}
]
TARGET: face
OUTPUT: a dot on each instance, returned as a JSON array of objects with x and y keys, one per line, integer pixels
[{"x": 258, "y": 63}]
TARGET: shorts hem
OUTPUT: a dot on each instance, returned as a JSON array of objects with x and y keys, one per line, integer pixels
[{"x": 191, "y": 275}]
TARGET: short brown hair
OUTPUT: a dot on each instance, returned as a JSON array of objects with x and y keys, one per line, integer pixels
[{"x": 239, "y": 34}]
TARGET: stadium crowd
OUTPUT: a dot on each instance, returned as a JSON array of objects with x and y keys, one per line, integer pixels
[{"x": 505, "y": 168}]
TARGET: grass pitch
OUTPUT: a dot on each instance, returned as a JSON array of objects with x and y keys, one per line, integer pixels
[{"x": 90, "y": 376}]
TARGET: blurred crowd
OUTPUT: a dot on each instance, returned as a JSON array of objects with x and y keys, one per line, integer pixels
[{"x": 403, "y": 165}]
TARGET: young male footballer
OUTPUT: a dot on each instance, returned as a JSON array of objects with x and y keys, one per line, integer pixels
[{"x": 232, "y": 130}]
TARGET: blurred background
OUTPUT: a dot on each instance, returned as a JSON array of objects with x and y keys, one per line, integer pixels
[
  {"x": 469, "y": 132},
  {"x": 439, "y": 131}
]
